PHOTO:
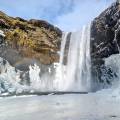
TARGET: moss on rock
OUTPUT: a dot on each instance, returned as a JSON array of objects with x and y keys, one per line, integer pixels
[{"x": 34, "y": 39}]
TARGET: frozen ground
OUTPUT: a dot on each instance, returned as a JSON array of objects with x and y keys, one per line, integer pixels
[{"x": 90, "y": 106}]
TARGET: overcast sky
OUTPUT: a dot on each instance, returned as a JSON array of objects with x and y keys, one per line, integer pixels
[{"x": 69, "y": 15}]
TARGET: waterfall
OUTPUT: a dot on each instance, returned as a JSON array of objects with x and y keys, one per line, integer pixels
[
  {"x": 76, "y": 76},
  {"x": 60, "y": 70},
  {"x": 73, "y": 72}
]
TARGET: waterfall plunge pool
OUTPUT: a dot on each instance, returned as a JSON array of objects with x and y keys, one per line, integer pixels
[{"x": 92, "y": 106}]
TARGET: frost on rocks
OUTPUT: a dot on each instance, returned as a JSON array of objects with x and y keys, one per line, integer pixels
[
  {"x": 10, "y": 81},
  {"x": 9, "y": 77},
  {"x": 34, "y": 74},
  {"x": 2, "y": 33}
]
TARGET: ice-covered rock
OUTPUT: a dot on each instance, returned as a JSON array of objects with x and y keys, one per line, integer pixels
[
  {"x": 13, "y": 81},
  {"x": 9, "y": 77},
  {"x": 105, "y": 39},
  {"x": 2, "y": 33}
]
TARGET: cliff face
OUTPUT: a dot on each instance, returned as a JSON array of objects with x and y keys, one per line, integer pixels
[
  {"x": 29, "y": 40},
  {"x": 32, "y": 41},
  {"x": 105, "y": 39}
]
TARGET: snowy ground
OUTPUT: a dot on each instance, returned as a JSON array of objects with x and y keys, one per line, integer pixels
[{"x": 92, "y": 106}]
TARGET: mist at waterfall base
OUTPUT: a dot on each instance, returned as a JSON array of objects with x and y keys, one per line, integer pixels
[
  {"x": 74, "y": 76},
  {"x": 71, "y": 74}
]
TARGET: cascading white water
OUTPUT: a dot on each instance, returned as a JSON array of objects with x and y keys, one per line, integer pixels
[
  {"x": 34, "y": 74},
  {"x": 76, "y": 76},
  {"x": 39, "y": 82},
  {"x": 60, "y": 70}
]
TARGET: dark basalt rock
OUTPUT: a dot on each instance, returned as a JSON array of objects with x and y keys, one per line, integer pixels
[
  {"x": 105, "y": 37},
  {"x": 1, "y": 39}
]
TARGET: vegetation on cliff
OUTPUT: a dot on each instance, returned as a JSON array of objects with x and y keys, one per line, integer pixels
[{"x": 32, "y": 39}]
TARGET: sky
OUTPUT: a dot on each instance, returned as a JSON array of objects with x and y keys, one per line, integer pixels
[{"x": 68, "y": 15}]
